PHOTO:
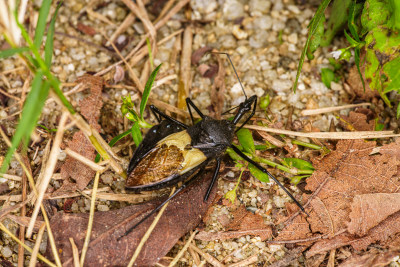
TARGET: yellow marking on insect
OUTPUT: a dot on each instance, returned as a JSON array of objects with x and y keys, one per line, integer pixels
[{"x": 193, "y": 157}]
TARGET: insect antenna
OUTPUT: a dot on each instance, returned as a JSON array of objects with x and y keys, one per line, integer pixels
[{"x": 237, "y": 76}]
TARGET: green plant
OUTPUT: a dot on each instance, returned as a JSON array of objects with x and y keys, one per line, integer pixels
[
  {"x": 374, "y": 26},
  {"x": 298, "y": 168}
]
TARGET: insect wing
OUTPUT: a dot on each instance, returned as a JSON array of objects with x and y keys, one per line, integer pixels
[
  {"x": 167, "y": 163},
  {"x": 154, "y": 135}
]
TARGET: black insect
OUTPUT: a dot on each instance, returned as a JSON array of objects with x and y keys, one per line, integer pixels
[{"x": 172, "y": 151}]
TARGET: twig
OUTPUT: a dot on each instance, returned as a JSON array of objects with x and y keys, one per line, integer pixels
[
  {"x": 51, "y": 164},
  {"x": 184, "y": 80},
  {"x": 75, "y": 252},
  {"x": 210, "y": 259},
  {"x": 11, "y": 177},
  {"x": 328, "y": 135},
  {"x": 21, "y": 257},
  {"x": 35, "y": 251},
  {"x": 309, "y": 112},
  {"x": 246, "y": 262},
  {"x": 84, "y": 160},
  {"x": 148, "y": 232},
  {"x": 185, "y": 247},
  {"x": 128, "y": 21},
  {"x": 32, "y": 184},
  {"x": 91, "y": 216}
]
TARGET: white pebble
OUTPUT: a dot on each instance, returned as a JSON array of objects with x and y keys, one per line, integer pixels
[
  {"x": 6, "y": 252},
  {"x": 102, "y": 207}
]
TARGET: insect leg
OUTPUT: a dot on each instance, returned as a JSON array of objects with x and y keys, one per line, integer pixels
[
  {"x": 250, "y": 116},
  {"x": 241, "y": 154},
  {"x": 165, "y": 116},
  {"x": 189, "y": 103},
  {"x": 184, "y": 185},
  {"x": 214, "y": 178}
]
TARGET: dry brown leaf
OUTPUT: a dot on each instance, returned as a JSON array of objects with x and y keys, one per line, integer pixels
[
  {"x": 199, "y": 53},
  {"x": 90, "y": 109},
  {"x": 368, "y": 210},
  {"x": 355, "y": 83},
  {"x": 183, "y": 213},
  {"x": 85, "y": 29},
  {"x": 347, "y": 172},
  {"x": 357, "y": 121},
  {"x": 264, "y": 234},
  {"x": 371, "y": 258}
]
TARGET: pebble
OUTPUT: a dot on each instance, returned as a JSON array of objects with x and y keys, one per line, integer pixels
[
  {"x": 257, "y": 7},
  {"x": 259, "y": 40},
  {"x": 281, "y": 85},
  {"x": 102, "y": 207},
  {"x": 292, "y": 38},
  {"x": 263, "y": 22},
  {"x": 6, "y": 252},
  {"x": 239, "y": 33},
  {"x": 233, "y": 9},
  {"x": 227, "y": 41}
]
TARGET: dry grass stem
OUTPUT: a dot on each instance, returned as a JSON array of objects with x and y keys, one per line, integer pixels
[
  {"x": 50, "y": 165},
  {"x": 210, "y": 259},
  {"x": 84, "y": 160},
  {"x": 75, "y": 252},
  {"x": 148, "y": 232},
  {"x": 328, "y": 135},
  {"x": 185, "y": 247},
  {"x": 91, "y": 216},
  {"x": 185, "y": 68},
  {"x": 11, "y": 177},
  {"x": 247, "y": 262},
  {"x": 6, "y": 210},
  {"x": 34, "y": 189},
  {"x": 35, "y": 251},
  {"x": 5, "y": 230},
  {"x": 128, "y": 21},
  {"x": 98, "y": 16},
  {"x": 309, "y": 112},
  {"x": 165, "y": 9}
]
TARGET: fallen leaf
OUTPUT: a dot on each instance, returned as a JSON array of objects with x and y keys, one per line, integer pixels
[
  {"x": 356, "y": 85},
  {"x": 90, "y": 109},
  {"x": 210, "y": 236},
  {"x": 199, "y": 53},
  {"x": 86, "y": 29},
  {"x": 357, "y": 121},
  {"x": 371, "y": 258},
  {"x": 183, "y": 213},
  {"x": 343, "y": 183},
  {"x": 367, "y": 211}
]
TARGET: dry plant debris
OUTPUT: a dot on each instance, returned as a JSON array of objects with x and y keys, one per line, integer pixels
[
  {"x": 90, "y": 109},
  {"x": 354, "y": 200},
  {"x": 183, "y": 213}
]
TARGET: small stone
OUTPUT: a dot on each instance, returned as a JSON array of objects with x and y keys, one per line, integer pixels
[
  {"x": 227, "y": 41},
  {"x": 233, "y": 9},
  {"x": 259, "y": 6},
  {"x": 6, "y": 252},
  {"x": 263, "y": 22},
  {"x": 102, "y": 207},
  {"x": 292, "y": 38},
  {"x": 281, "y": 85},
  {"x": 239, "y": 33},
  {"x": 336, "y": 86},
  {"x": 259, "y": 40}
]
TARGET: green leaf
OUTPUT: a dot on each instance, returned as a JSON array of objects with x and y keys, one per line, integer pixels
[
  {"x": 113, "y": 141},
  {"x": 41, "y": 23},
  {"x": 136, "y": 134},
  {"x": 337, "y": 20},
  {"x": 263, "y": 177},
  {"x": 298, "y": 163},
  {"x": 327, "y": 76},
  {"x": 350, "y": 39},
  {"x": 233, "y": 154},
  {"x": 12, "y": 51},
  {"x": 48, "y": 48},
  {"x": 319, "y": 15},
  {"x": 315, "y": 40},
  {"x": 127, "y": 109},
  {"x": 147, "y": 89},
  {"x": 375, "y": 13},
  {"x": 231, "y": 195},
  {"x": 350, "y": 21},
  {"x": 29, "y": 117},
  {"x": 379, "y": 126},
  {"x": 392, "y": 74},
  {"x": 394, "y": 21},
  {"x": 398, "y": 111},
  {"x": 297, "y": 178},
  {"x": 246, "y": 140},
  {"x": 264, "y": 102}
]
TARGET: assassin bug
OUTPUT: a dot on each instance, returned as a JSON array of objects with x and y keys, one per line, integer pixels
[{"x": 172, "y": 151}]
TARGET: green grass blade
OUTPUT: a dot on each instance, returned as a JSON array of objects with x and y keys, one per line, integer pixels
[
  {"x": 147, "y": 89},
  {"x": 313, "y": 27},
  {"x": 41, "y": 23},
  {"x": 48, "y": 48},
  {"x": 12, "y": 51},
  {"x": 30, "y": 114},
  {"x": 136, "y": 134},
  {"x": 113, "y": 141}
]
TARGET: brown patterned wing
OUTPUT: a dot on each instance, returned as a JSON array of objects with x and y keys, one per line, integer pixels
[{"x": 162, "y": 162}]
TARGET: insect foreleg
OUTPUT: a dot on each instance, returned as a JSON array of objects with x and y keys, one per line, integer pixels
[
  {"x": 189, "y": 104},
  {"x": 165, "y": 116},
  {"x": 241, "y": 154}
]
